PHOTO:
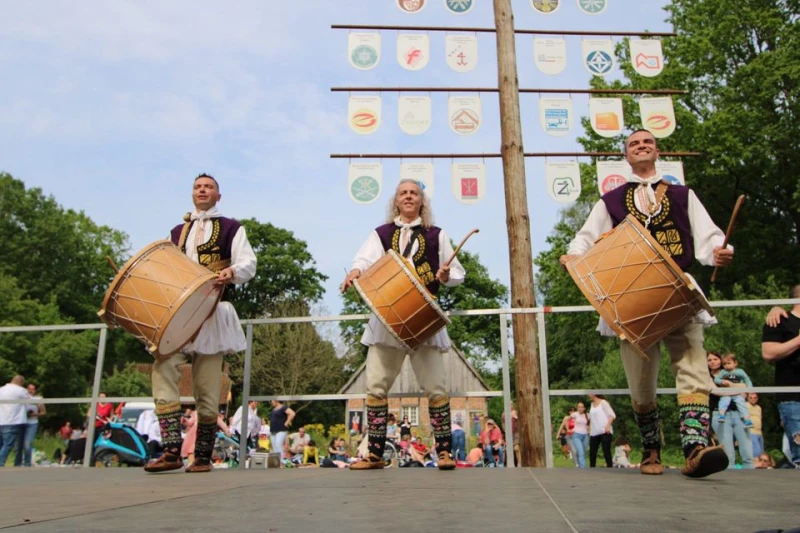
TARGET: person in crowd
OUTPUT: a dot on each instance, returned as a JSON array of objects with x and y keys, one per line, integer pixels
[
  {"x": 475, "y": 455},
  {"x": 104, "y": 413},
  {"x": 492, "y": 443},
  {"x": 671, "y": 214},
  {"x": 580, "y": 436},
  {"x": 764, "y": 461},
  {"x": 459, "y": 442},
  {"x": 65, "y": 433},
  {"x": 734, "y": 427},
  {"x": 24, "y": 450},
  {"x": 280, "y": 419},
  {"x": 568, "y": 428},
  {"x": 311, "y": 453},
  {"x": 13, "y": 416},
  {"x": 298, "y": 441},
  {"x": 732, "y": 373},
  {"x": 754, "y": 412},
  {"x": 253, "y": 423},
  {"x": 392, "y": 429},
  {"x": 601, "y": 431}
]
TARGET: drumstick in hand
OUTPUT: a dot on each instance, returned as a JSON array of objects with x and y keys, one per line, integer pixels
[
  {"x": 739, "y": 202},
  {"x": 476, "y": 230}
]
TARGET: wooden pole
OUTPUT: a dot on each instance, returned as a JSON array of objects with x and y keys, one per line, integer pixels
[{"x": 526, "y": 353}]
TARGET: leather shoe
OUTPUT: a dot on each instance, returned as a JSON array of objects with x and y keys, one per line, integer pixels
[
  {"x": 445, "y": 462},
  {"x": 373, "y": 462},
  {"x": 651, "y": 463},
  {"x": 199, "y": 467},
  {"x": 704, "y": 461},
  {"x": 165, "y": 463}
]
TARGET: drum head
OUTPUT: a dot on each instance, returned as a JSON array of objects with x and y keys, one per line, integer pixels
[{"x": 187, "y": 320}]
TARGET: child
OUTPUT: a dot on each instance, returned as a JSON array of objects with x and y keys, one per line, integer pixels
[
  {"x": 622, "y": 447},
  {"x": 734, "y": 375}
]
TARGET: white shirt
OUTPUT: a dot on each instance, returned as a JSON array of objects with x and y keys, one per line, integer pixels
[
  {"x": 371, "y": 251},
  {"x": 599, "y": 415},
  {"x": 12, "y": 414},
  {"x": 705, "y": 233},
  {"x": 147, "y": 425},
  {"x": 253, "y": 422}
]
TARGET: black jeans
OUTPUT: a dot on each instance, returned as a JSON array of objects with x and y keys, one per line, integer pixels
[{"x": 594, "y": 442}]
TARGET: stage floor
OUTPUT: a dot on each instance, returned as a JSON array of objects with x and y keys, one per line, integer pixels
[{"x": 413, "y": 500}]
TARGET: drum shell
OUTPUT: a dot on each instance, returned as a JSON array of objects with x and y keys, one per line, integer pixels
[
  {"x": 151, "y": 289},
  {"x": 641, "y": 293},
  {"x": 400, "y": 301}
]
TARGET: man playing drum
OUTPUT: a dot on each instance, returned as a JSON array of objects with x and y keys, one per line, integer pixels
[
  {"x": 673, "y": 215},
  {"x": 410, "y": 232},
  {"x": 220, "y": 244}
]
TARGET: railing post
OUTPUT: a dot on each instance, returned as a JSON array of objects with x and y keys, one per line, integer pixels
[
  {"x": 243, "y": 433},
  {"x": 507, "y": 423},
  {"x": 548, "y": 431},
  {"x": 98, "y": 375}
]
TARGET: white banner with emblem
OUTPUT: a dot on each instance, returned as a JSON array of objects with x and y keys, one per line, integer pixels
[
  {"x": 647, "y": 57},
  {"x": 464, "y": 114},
  {"x": 364, "y": 50},
  {"x": 421, "y": 172},
  {"x": 364, "y": 114},
  {"x": 414, "y": 114},
  {"x": 598, "y": 56},
  {"x": 364, "y": 182},
  {"x": 658, "y": 116},
  {"x": 671, "y": 171},
  {"x": 605, "y": 115},
  {"x": 550, "y": 54},
  {"x": 469, "y": 182},
  {"x": 563, "y": 181},
  {"x": 555, "y": 115},
  {"x": 461, "y": 52},
  {"x": 612, "y": 174},
  {"x": 413, "y": 50}
]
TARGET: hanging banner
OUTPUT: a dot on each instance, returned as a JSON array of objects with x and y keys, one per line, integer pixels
[
  {"x": 647, "y": 57},
  {"x": 592, "y": 7},
  {"x": 605, "y": 115},
  {"x": 414, "y": 114},
  {"x": 469, "y": 182},
  {"x": 612, "y": 174},
  {"x": 421, "y": 172},
  {"x": 459, "y": 7},
  {"x": 411, "y": 6},
  {"x": 364, "y": 113},
  {"x": 671, "y": 171},
  {"x": 598, "y": 56},
  {"x": 413, "y": 50},
  {"x": 461, "y": 52},
  {"x": 364, "y": 50},
  {"x": 546, "y": 7},
  {"x": 364, "y": 182},
  {"x": 464, "y": 113},
  {"x": 658, "y": 116},
  {"x": 563, "y": 181},
  {"x": 550, "y": 54},
  {"x": 555, "y": 115}
]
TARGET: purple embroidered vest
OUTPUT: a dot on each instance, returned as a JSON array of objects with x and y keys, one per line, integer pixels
[
  {"x": 426, "y": 259},
  {"x": 218, "y": 248},
  {"x": 670, "y": 227}
]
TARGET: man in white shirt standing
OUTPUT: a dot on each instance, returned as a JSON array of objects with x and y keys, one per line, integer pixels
[
  {"x": 220, "y": 244},
  {"x": 410, "y": 232},
  {"x": 673, "y": 214},
  {"x": 13, "y": 416},
  {"x": 25, "y": 444}
]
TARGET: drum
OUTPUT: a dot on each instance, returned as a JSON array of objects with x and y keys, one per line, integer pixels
[
  {"x": 161, "y": 297},
  {"x": 401, "y": 302},
  {"x": 636, "y": 287}
]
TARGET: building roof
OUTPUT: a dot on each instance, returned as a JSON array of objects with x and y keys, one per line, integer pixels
[{"x": 461, "y": 376}]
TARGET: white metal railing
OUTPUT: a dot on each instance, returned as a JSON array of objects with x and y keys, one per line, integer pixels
[{"x": 502, "y": 314}]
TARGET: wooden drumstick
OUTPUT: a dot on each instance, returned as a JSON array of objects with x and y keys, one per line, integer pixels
[
  {"x": 476, "y": 230},
  {"x": 111, "y": 262},
  {"x": 739, "y": 202}
]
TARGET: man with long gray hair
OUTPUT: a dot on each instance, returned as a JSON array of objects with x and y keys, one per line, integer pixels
[{"x": 410, "y": 232}]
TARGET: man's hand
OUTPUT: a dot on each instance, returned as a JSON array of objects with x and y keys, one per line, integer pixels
[
  {"x": 443, "y": 274},
  {"x": 348, "y": 279},
  {"x": 225, "y": 276},
  {"x": 774, "y": 316},
  {"x": 722, "y": 256},
  {"x": 564, "y": 259}
]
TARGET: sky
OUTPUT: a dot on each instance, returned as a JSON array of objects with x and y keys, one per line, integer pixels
[{"x": 114, "y": 107}]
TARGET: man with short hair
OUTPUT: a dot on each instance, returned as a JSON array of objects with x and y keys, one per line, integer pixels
[
  {"x": 12, "y": 415},
  {"x": 410, "y": 232},
  {"x": 220, "y": 244},
  {"x": 24, "y": 450},
  {"x": 674, "y": 216},
  {"x": 298, "y": 441},
  {"x": 780, "y": 345}
]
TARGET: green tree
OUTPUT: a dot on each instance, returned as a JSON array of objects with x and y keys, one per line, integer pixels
[
  {"x": 127, "y": 381},
  {"x": 286, "y": 271}
]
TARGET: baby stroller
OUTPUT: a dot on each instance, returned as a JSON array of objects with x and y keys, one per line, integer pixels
[{"x": 120, "y": 445}]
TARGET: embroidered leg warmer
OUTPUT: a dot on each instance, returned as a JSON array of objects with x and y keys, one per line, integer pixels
[
  {"x": 649, "y": 425},
  {"x": 169, "y": 420},
  {"x": 439, "y": 412},
  {"x": 377, "y": 411},
  {"x": 206, "y": 436},
  {"x": 695, "y": 419}
]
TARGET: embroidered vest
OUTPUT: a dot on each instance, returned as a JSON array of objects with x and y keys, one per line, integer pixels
[
  {"x": 426, "y": 259},
  {"x": 216, "y": 252},
  {"x": 669, "y": 227}
]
